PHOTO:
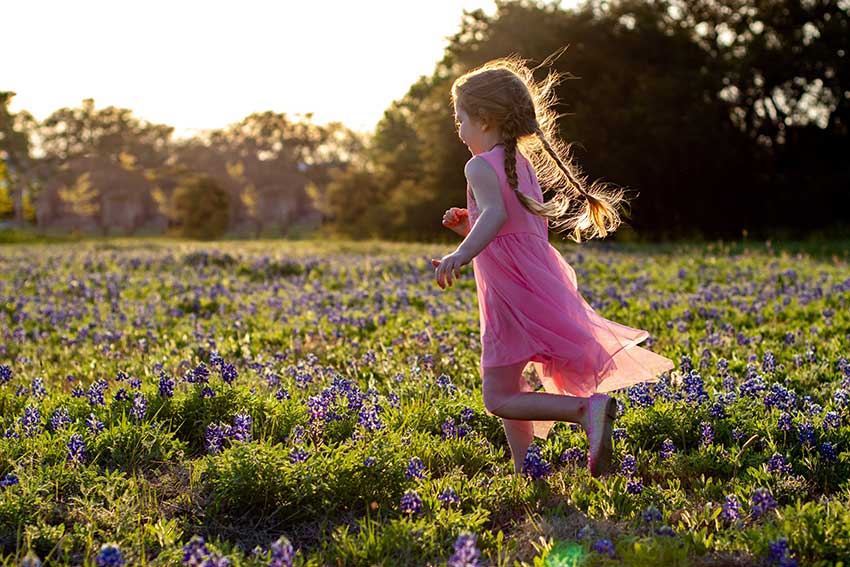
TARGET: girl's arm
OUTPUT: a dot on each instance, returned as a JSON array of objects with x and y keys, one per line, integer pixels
[{"x": 488, "y": 194}]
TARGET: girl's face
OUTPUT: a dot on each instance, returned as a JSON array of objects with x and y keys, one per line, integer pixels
[{"x": 474, "y": 134}]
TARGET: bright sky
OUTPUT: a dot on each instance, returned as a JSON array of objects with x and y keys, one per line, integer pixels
[{"x": 197, "y": 65}]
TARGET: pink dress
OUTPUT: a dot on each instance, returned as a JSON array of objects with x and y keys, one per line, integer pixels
[{"x": 531, "y": 309}]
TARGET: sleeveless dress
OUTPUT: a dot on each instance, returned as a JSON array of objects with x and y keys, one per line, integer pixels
[{"x": 531, "y": 310}]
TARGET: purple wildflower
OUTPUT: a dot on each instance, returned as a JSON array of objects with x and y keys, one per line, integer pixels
[
  {"x": 651, "y": 514},
  {"x": 110, "y": 556},
  {"x": 778, "y": 463},
  {"x": 76, "y": 449},
  {"x": 140, "y": 406},
  {"x": 707, "y": 434},
  {"x": 166, "y": 385},
  {"x": 604, "y": 546},
  {"x": 60, "y": 419},
  {"x": 282, "y": 553},
  {"x": 761, "y": 502},
  {"x": 731, "y": 508},
  {"x": 827, "y": 451},
  {"x": 534, "y": 465},
  {"x": 411, "y": 503},
  {"x": 448, "y": 497},
  {"x": 466, "y": 554},
  {"x": 667, "y": 449},
  {"x": 415, "y": 468}
]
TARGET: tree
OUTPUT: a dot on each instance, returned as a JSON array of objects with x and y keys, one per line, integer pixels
[{"x": 201, "y": 208}]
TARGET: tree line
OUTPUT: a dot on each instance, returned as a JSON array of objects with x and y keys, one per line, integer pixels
[{"x": 725, "y": 118}]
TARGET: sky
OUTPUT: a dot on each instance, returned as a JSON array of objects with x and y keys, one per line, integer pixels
[{"x": 197, "y": 65}]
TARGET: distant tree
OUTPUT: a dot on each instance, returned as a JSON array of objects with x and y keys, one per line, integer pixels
[
  {"x": 15, "y": 130},
  {"x": 201, "y": 208}
]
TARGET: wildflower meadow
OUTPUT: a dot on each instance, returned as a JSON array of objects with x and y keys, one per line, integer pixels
[{"x": 308, "y": 403}]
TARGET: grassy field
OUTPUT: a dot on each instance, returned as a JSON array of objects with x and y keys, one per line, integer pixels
[{"x": 319, "y": 403}]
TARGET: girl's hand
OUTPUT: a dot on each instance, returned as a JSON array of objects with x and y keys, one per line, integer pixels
[
  {"x": 448, "y": 267},
  {"x": 457, "y": 220}
]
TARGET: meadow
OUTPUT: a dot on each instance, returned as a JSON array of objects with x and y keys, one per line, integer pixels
[{"x": 318, "y": 403}]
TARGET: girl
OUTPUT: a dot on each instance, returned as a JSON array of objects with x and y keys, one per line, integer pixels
[{"x": 529, "y": 305}]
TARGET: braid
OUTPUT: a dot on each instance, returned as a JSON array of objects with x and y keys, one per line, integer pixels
[
  {"x": 510, "y": 164},
  {"x": 551, "y": 151}
]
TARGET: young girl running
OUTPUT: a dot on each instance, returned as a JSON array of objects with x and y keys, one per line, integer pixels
[{"x": 530, "y": 307}]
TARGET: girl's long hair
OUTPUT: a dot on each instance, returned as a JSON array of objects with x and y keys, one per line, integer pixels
[{"x": 503, "y": 94}]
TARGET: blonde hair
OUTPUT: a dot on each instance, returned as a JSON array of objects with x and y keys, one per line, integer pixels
[{"x": 502, "y": 93}]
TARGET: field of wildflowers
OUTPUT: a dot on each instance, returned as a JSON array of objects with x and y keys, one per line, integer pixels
[{"x": 308, "y": 403}]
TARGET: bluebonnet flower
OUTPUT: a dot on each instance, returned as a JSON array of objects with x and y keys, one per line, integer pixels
[
  {"x": 393, "y": 400},
  {"x": 368, "y": 418},
  {"x": 827, "y": 451},
  {"x": 241, "y": 430},
  {"x": 778, "y": 463},
  {"x": 166, "y": 385},
  {"x": 196, "y": 554},
  {"x": 95, "y": 392},
  {"x": 780, "y": 397},
  {"x": 685, "y": 364},
  {"x": 665, "y": 531},
  {"x": 761, "y": 501},
  {"x": 37, "y": 386},
  {"x": 778, "y": 553},
  {"x": 604, "y": 546},
  {"x": 572, "y": 455},
  {"x": 667, "y": 449},
  {"x": 534, "y": 465},
  {"x": 640, "y": 395},
  {"x": 134, "y": 383},
  {"x": 694, "y": 387},
  {"x": 629, "y": 465},
  {"x": 93, "y": 424},
  {"x": 76, "y": 449},
  {"x": 449, "y": 497},
  {"x": 215, "y": 437},
  {"x": 618, "y": 433},
  {"x": 768, "y": 362},
  {"x": 411, "y": 503},
  {"x": 200, "y": 374},
  {"x": 140, "y": 406},
  {"x": 415, "y": 468},
  {"x": 789, "y": 338},
  {"x": 298, "y": 454},
  {"x": 120, "y": 376},
  {"x": 466, "y": 554},
  {"x": 831, "y": 419},
  {"x": 5, "y": 374},
  {"x": 841, "y": 397},
  {"x": 634, "y": 486},
  {"x": 369, "y": 461},
  {"x": 706, "y": 433},
  {"x": 784, "y": 422},
  {"x": 121, "y": 394},
  {"x": 752, "y": 387},
  {"x": 282, "y": 553},
  {"x": 60, "y": 419},
  {"x": 651, "y": 514},
  {"x": 282, "y": 394},
  {"x": 110, "y": 556},
  {"x": 731, "y": 508},
  {"x": 9, "y": 480},
  {"x": 77, "y": 392},
  {"x": 30, "y": 421},
  {"x": 717, "y": 410},
  {"x": 467, "y": 414},
  {"x": 448, "y": 428},
  {"x": 444, "y": 382},
  {"x": 207, "y": 392},
  {"x": 806, "y": 433},
  {"x": 229, "y": 373}
]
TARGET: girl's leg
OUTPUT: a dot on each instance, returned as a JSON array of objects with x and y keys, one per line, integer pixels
[
  {"x": 503, "y": 396},
  {"x": 520, "y": 435}
]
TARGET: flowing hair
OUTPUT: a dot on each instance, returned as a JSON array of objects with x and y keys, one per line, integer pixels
[{"x": 502, "y": 93}]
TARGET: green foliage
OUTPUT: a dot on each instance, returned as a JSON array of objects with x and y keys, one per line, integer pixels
[{"x": 201, "y": 208}]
